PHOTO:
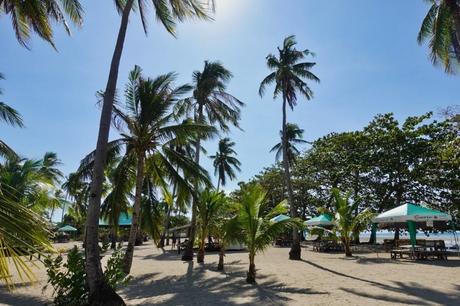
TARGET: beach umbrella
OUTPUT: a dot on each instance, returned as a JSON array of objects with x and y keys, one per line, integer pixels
[
  {"x": 412, "y": 216},
  {"x": 321, "y": 220},
  {"x": 279, "y": 218},
  {"x": 67, "y": 228}
]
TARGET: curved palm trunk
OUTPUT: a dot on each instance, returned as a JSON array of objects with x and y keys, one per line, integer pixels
[
  {"x": 128, "y": 259},
  {"x": 295, "y": 251},
  {"x": 100, "y": 293},
  {"x": 188, "y": 252},
  {"x": 251, "y": 275}
]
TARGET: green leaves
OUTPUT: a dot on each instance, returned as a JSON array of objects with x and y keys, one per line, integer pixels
[
  {"x": 440, "y": 27},
  {"x": 224, "y": 162},
  {"x": 288, "y": 74},
  {"x": 37, "y": 16}
]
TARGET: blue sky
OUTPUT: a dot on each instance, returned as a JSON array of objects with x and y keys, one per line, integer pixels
[{"x": 366, "y": 52}]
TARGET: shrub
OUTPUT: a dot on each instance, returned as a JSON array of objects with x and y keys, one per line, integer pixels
[{"x": 68, "y": 279}]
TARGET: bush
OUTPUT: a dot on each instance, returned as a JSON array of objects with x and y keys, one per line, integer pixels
[{"x": 68, "y": 279}]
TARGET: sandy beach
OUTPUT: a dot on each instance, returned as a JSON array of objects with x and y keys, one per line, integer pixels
[{"x": 319, "y": 279}]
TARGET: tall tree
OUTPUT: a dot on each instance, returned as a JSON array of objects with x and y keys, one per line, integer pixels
[
  {"x": 252, "y": 224},
  {"x": 441, "y": 26},
  {"x": 147, "y": 127},
  {"x": 224, "y": 162},
  {"x": 168, "y": 12},
  {"x": 294, "y": 136},
  {"x": 288, "y": 76},
  {"x": 38, "y": 15},
  {"x": 212, "y": 104},
  {"x": 208, "y": 205}
]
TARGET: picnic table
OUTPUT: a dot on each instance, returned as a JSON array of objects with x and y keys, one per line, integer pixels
[{"x": 429, "y": 249}]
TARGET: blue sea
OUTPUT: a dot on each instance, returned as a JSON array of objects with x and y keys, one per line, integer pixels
[{"x": 450, "y": 238}]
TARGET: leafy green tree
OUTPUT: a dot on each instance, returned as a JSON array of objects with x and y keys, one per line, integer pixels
[
  {"x": 208, "y": 205},
  {"x": 26, "y": 193},
  {"x": 294, "y": 136},
  {"x": 224, "y": 163},
  {"x": 253, "y": 226},
  {"x": 289, "y": 75},
  {"x": 441, "y": 26},
  {"x": 211, "y": 104},
  {"x": 167, "y": 12},
  {"x": 347, "y": 221}
]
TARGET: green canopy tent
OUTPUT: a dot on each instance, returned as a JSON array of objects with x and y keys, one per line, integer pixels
[
  {"x": 323, "y": 220},
  {"x": 123, "y": 221},
  {"x": 279, "y": 218},
  {"x": 67, "y": 229},
  {"x": 412, "y": 217}
]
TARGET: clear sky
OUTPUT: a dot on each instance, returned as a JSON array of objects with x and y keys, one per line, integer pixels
[{"x": 366, "y": 52}]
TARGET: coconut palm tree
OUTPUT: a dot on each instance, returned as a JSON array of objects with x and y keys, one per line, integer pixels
[
  {"x": 289, "y": 75},
  {"x": 441, "y": 27},
  {"x": 168, "y": 12},
  {"x": 346, "y": 221},
  {"x": 38, "y": 15},
  {"x": 11, "y": 117},
  {"x": 253, "y": 226},
  {"x": 224, "y": 162},
  {"x": 294, "y": 136},
  {"x": 208, "y": 205},
  {"x": 147, "y": 128},
  {"x": 211, "y": 104}
]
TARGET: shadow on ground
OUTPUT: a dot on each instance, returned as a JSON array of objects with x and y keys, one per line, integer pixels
[
  {"x": 15, "y": 299},
  {"x": 411, "y": 292},
  {"x": 197, "y": 288}
]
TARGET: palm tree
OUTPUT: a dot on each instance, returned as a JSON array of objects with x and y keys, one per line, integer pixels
[
  {"x": 224, "y": 162},
  {"x": 294, "y": 136},
  {"x": 253, "y": 226},
  {"x": 11, "y": 117},
  {"x": 208, "y": 205},
  {"x": 441, "y": 26},
  {"x": 288, "y": 75},
  {"x": 346, "y": 221},
  {"x": 147, "y": 127},
  {"x": 38, "y": 15},
  {"x": 167, "y": 13},
  {"x": 210, "y": 103}
]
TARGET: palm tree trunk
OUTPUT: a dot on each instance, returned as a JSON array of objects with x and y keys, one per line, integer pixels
[
  {"x": 220, "y": 265},
  {"x": 161, "y": 244},
  {"x": 200, "y": 255},
  {"x": 128, "y": 260},
  {"x": 168, "y": 216},
  {"x": 188, "y": 251},
  {"x": 100, "y": 293},
  {"x": 346, "y": 244},
  {"x": 251, "y": 275},
  {"x": 218, "y": 183},
  {"x": 295, "y": 251},
  {"x": 113, "y": 244}
]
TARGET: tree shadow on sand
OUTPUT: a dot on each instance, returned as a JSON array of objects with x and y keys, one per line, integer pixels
[
  {"x": 197, "y": 288},
  {"x": 19, "y": 298},
  {"x": 411, "y": 292}
]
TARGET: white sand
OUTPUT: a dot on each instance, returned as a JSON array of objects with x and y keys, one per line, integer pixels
[{"x": 319, "y": 279}]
